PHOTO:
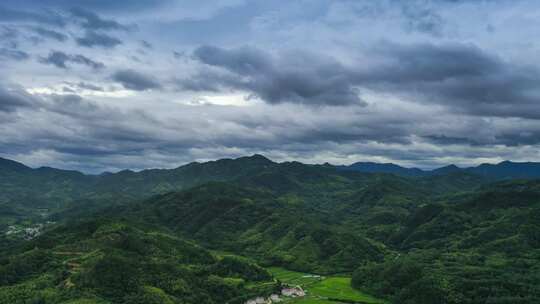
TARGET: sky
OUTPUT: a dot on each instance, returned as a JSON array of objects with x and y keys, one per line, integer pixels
[{"x": 108, "y": 85}]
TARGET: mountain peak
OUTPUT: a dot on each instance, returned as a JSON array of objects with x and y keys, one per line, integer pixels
[
  {"x": 370, "y": 167},
  {"x": 257, "y": 157},
  {"x": 445, "y": 170},
  {"x": 7, "y": 164},
  {"x": 507, "y": 162}
]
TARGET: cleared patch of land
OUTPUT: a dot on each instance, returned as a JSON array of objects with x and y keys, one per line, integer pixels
[
  {"x": 322, "y": 290},
  {"x": 340, "y": 288},
  {"x": 313, "y": 301},
  {"x": 293, "y": 277}
]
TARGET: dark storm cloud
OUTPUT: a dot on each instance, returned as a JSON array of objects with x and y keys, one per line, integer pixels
[
  {"x": 92, "y": 39},
  {"x": 133, "y": 80},
  {"x": 449, "y": 140},
  {"x": 462, "y": 77},
  {"x": 13, "y": 54},
  {"x": 50, "y": 34},
  {"x": 63, "y": 60},
  {"x": 11, "y": 100},
  {"x": 459, "y": 76},
  {"x": 294, "y": 77},
  {"x": 509, "y": 132},
  {"x": 92, "y": 21},
  {"x": 431, "y": 63}
]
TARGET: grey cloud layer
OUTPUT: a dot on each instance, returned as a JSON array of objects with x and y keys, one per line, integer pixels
[
  {"x": 93, "y": 39},
  {"x": 63, "y": 60},
  {"x": 104, "y": 133},
  {"x": 92, "y": 21},
  {"x": 13, "y": 54},
  {"x": 49, "y": 17},
  {"x": 459, "y": 76},
  {"x": 50, "y": 34},
  {"x": 417, "y": 82},
  {"x": 134, "y": 80},
  {"x": 11, "y": 100},
  {"x": 294, "y": 77}
]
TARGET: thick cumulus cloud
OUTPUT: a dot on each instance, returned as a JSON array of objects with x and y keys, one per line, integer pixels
[
  {"x": 459, "y": 76},
  {"x": 63, "y": 60},
  {"x": 293, "y": 77},
  {"x": 136, "y": 81}
]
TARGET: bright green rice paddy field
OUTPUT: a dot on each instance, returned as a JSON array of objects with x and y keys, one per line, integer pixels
[{"x": 323, "y": 290}]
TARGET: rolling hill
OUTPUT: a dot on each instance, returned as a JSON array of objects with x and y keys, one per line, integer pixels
[{"x": 453, "y": 237}]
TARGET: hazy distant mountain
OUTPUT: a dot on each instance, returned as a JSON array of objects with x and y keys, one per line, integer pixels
[
  {"x": 369, "y": 167},
  {"x": 33, "y": 190},
  {"x": 508, "y": 170},
  {"x": 444, "y": 170},
  {"x": 55, "y": 190},
  {"x": 500, "y": 171}
]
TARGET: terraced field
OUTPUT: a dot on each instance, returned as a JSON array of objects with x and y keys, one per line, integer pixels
[{"x": 323, "y": 290}]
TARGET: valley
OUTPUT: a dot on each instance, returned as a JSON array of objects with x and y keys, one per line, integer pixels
[{"x": 322, "y": 289}]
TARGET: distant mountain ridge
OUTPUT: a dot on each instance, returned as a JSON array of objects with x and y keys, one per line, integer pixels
[
  {"x": 500, "y": 171},
  {"x": 196, "y": 173},
  {"x": 56, "y": 191},
  {"x": 11, "y": 165}
]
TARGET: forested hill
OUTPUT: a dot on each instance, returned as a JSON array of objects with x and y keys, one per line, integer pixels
[
  {"x": 453, "y": 238},
  {"x": 29, "y": 192},
  {"x": 500, "y": 171},
  {"x": 481, "y": 246},
  {"x": 98, "y": 261}
]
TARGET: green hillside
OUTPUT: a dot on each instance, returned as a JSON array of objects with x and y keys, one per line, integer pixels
[
  {"x": 102, "y": 261},
  {"x": 46, "y": 192},
  {"x": 257, "y": 224},
  {"x": 479, "y": 248},
  {"x": 449, "y": 238}
]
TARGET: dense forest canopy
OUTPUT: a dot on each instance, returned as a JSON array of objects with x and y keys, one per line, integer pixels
[{"x": 155, "y": 236}]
